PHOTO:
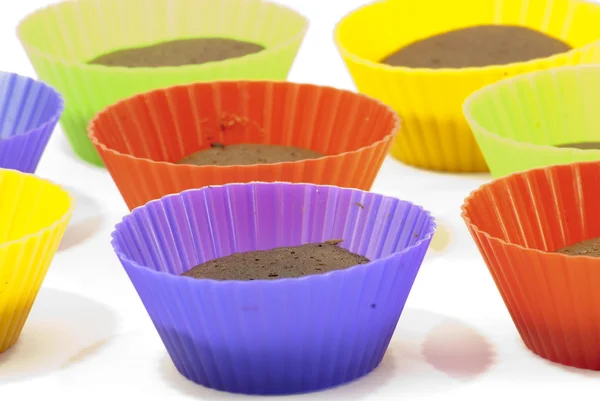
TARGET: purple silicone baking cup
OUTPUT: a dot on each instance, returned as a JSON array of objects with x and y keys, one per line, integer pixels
[
  {"x": 29, "y": 111},
  {"x": 281, "y": 336}
]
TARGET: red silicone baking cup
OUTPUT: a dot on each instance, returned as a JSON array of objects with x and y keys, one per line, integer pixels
[
  {"x": 139, "y": 138},
  {"x": 518, "y": 222}
]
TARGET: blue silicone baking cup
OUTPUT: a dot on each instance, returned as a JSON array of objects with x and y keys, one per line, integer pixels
[
  {"x": 29, "y": 112},
  {"x": 274, "y": 336}
]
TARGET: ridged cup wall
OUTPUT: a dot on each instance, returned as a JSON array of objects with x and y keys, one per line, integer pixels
[
  {"x": 63, "y": 37},
  {"x": 141, "y": 137},
  {"x": 29, "y": 112},
  {"x": 518, "y": 222},
  {"x": 517, "y": 122},
  {"x": 274, "y": 336},
  {"x": 435, "y": 134},
  {"x": 34, "y": 214}
]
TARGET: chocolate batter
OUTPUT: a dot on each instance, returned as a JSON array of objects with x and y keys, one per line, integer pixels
[
  {"x": 477, "y": 46},
  {"x": 581, "y": 145},
  {"x": 286, "y": 262},
  {"x": 245, "y": 154},
  {"x": 178, "y": 52},
  {"x": 590, "y": 247}
]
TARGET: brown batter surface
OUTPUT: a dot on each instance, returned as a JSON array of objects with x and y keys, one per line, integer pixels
[
  {"x": 582, "y": 145},
  {"x": 590, "y": 247},
  {"x": 246, "y": 154},
  {"x": 285, "y": 262},
  {"x": 477, "y": 46},
  {"x": 178, "y": 52}
]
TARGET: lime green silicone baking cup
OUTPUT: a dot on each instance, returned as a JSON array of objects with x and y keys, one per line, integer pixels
[
  {"x": 60, "y": 39},
  {"x": 518, "y": 121}
]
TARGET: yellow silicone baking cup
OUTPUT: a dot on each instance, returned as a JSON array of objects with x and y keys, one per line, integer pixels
[
  {"x": 34, "y": 214},
  {"x": 434, "y": 134}
]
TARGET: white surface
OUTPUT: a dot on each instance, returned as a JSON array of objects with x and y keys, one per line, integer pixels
[{"x": 88, "y": 336}]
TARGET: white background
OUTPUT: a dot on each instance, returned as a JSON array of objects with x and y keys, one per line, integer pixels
[{"x": 88, "y": 336}]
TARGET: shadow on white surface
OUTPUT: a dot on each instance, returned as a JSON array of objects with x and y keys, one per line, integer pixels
[
  {"x": 62, "y": 330},
  {"x": 430, "y": 353},
  {"x": 538, "y": 360},
  {"x": 86, "y": 221},
  {"x": 592, "y": 374}
]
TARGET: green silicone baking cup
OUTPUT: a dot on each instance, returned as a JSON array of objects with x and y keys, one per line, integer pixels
[
  {"x": 519, "y": 121},
  {"x": 61, "y": 38}
]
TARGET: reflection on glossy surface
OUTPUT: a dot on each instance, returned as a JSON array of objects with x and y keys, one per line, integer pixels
[{"x": 457, "y": 350}]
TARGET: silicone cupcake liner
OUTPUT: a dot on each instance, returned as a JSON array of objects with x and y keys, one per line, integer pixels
[
  {"x": 281, "y": 336},
  {"x": 516, "y": 121},
  {"x": 140, "y": 137},
  {"x": 34, "y": 215},
  {"x": 62, "y": 38},
  {"x": 434, "y": 133},
  {"x": 29, "y": 111},
  {"x": 518, "y": 222}
]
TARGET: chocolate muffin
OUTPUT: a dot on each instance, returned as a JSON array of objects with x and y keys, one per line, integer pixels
[
  {"x": 477, "y": 46},
  {"x": 590, "y": 247},
  {"x": 246, "y": 154},
  {"x": 285, "y": 262},
  {"x": 178, "y": 52},
  {"x": 581, "y": 145}
]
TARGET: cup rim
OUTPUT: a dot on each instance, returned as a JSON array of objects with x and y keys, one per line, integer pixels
[
  {"x": 267, "y": 51},
  {"x": 52, "y": 120},
  {"x": 423, "y": 239},
  {"x": 492, "y": 88},
  {"x": 474, "y": 228},
  {"x": 495, "y": 68},
  {"x": 61, "y": 220},
  {"x": 104, "y": 148}
]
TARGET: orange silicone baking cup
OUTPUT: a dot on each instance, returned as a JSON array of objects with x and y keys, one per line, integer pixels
[
  {"x": 517, "y": 223},
  {"x": 139, "y": 138}
]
